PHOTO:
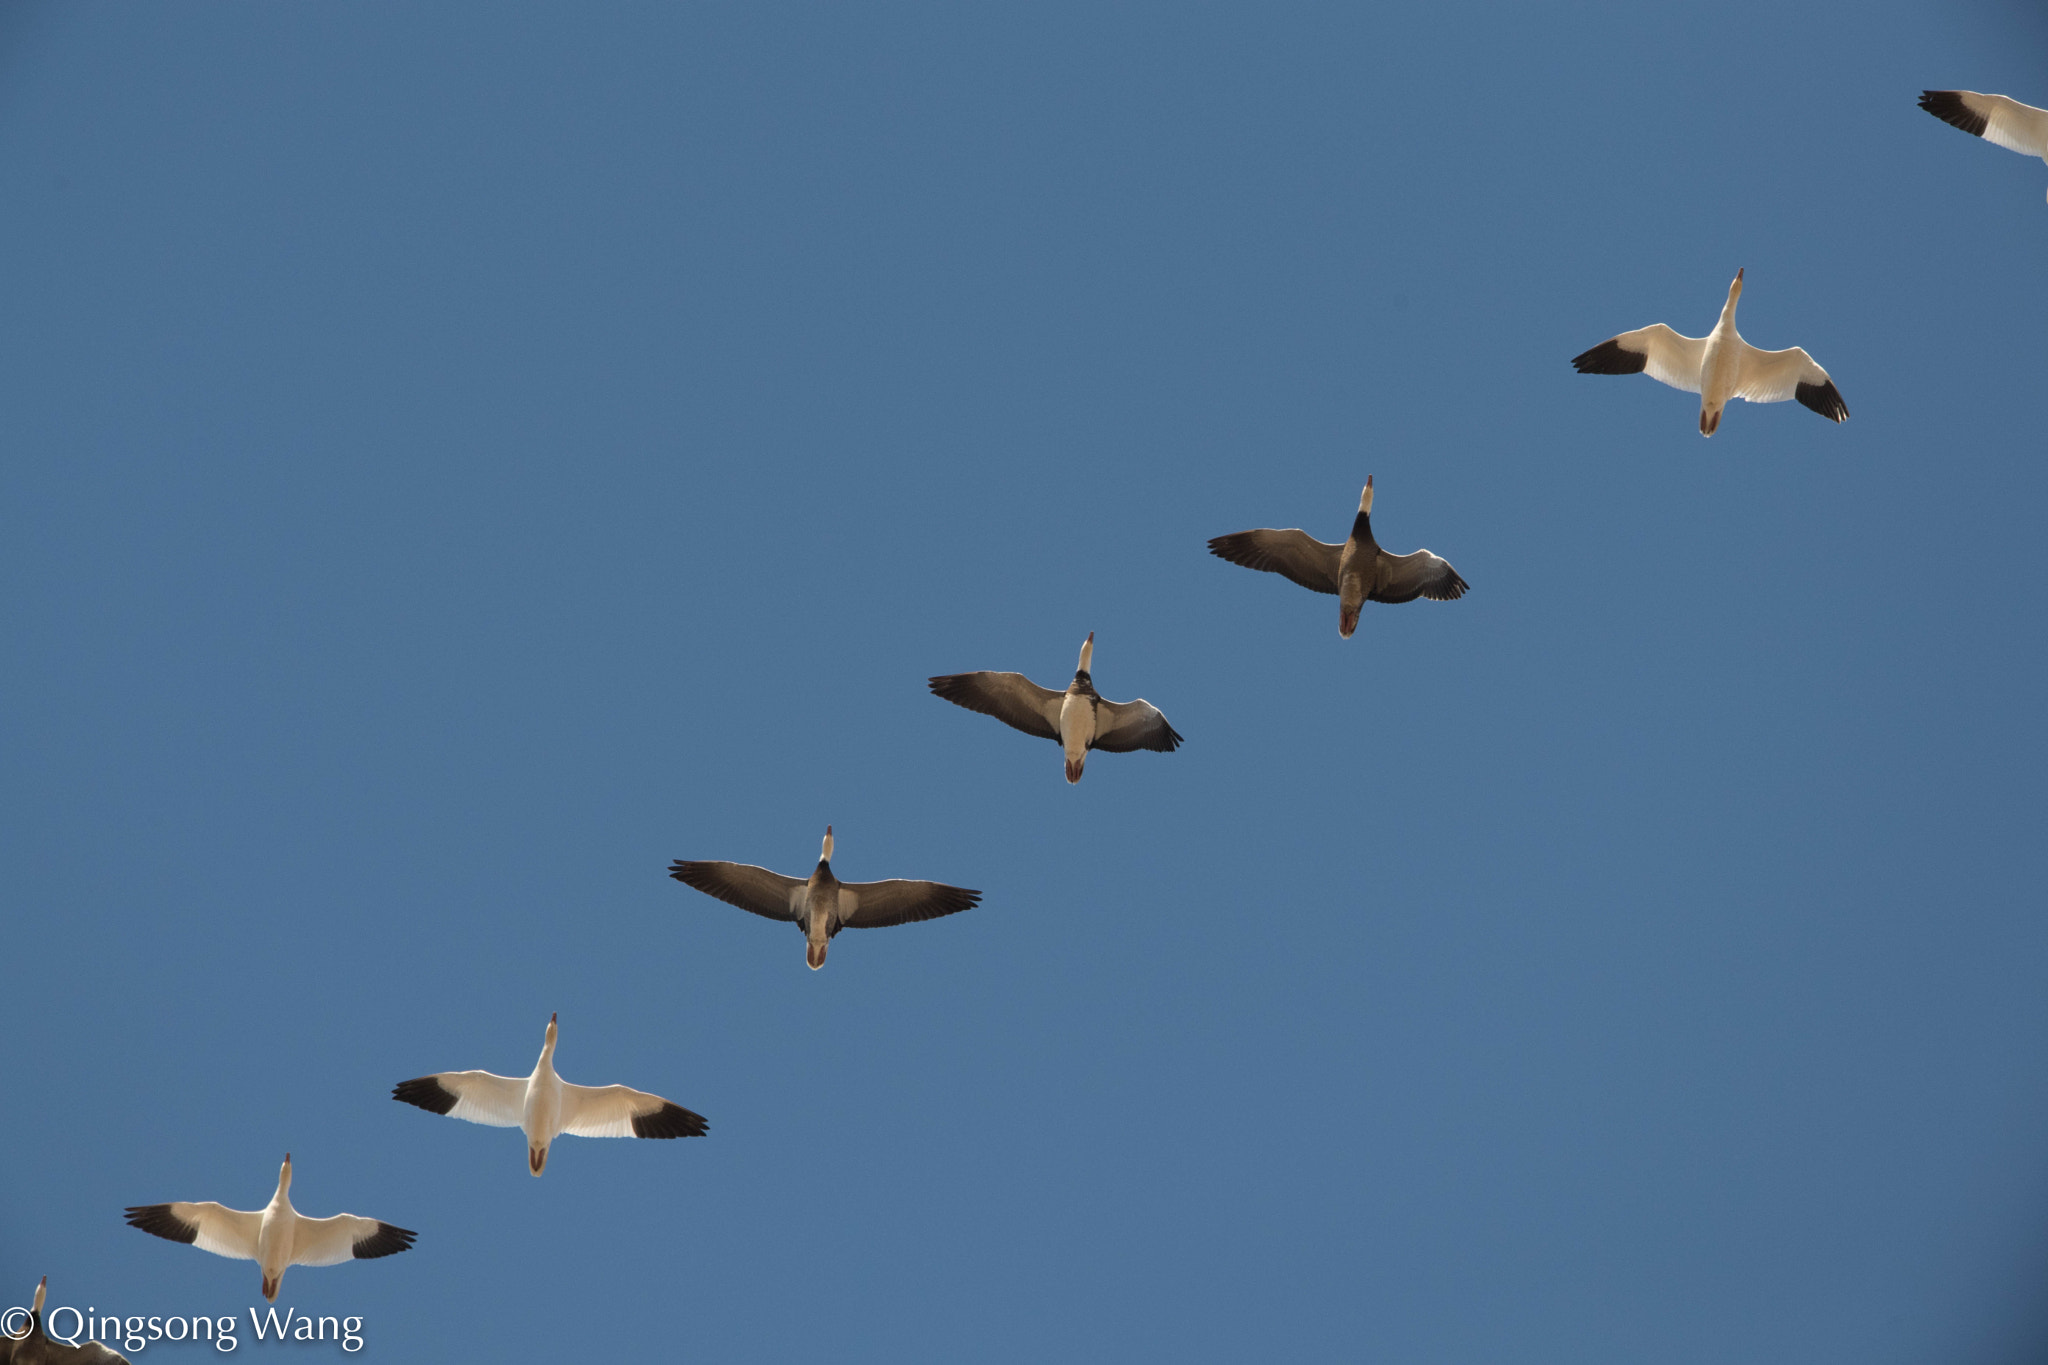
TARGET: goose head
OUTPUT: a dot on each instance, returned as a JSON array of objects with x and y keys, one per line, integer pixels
[
  {"x": 547, "y": 1046},
  {"x": 825, "y": 850},
  {"x": 1087, "y": 654},
  {"x": 1365, "y": 498},
  {"x": 284, "y": 1175},
  {"x": 42, "y": 1289},
  {"x": 1734, "y": 293}
]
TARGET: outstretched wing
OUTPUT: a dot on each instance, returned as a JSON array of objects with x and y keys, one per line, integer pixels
[
  {"x": 767, "y": 894},
  {"x": 2007, "y": 122},
  {"x": 1774, "y": 376},
  {"x": 877, "y": 905},
  {"x": 476, "y": 1096},
  {"x": 209, "y": 1226},
  {"x": 1011, "y": 698},
  {"x": 345, "y": 1237},
  {"x": 1294, "y": 554},
  {"x": 1655, "y": 350},
  {"x": 1403, "y": 578},
  {"x": 621, "y": 1111},
  {"x": 1134, "y": 725}
]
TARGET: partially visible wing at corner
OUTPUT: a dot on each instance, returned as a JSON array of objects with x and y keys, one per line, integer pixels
[
  {"x": 1403, "y": 578},
  {"x": 1135, "y": 725},
  {"x": 1293, "y": 554},
  {"x": 877, "y": 905},
  {"x": 1011, "y": 698},
  {"x": 208, "y": 1226},
  {"x": 1995, "y": 118},
  {"x": 1774, "y": 376},
  {"x": 768, "y": 894},
  {"x": 1655, "y": 350}
]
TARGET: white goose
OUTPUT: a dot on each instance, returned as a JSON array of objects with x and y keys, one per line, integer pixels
[
  {"x": 545, "y": 1106},
  {"x": 1719, "y": 367},
  {"x": 1995, "y": 118},
  {"x": 277, "y": 1237},
  {"x": 823, "y": 905},
  {"x": 34, "y": 1346},
  {"x": 1078, "y": 719}
]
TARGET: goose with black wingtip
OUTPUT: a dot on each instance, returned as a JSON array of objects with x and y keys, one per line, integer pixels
[
  {"x": 276, "y": 1237},
  {"x": 821, "y": 905},
  {"x": 1079, "y": 719},
  {"x": 1720, "y": 367},
  {"x": 1357, "y": 572},
  {"x": 545, "y": 1106}
]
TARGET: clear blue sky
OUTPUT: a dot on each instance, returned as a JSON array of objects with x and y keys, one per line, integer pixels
[{"x": 461, "y": 458}]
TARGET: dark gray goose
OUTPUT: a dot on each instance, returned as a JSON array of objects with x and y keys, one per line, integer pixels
[
  {"x": 1995, "y": 118},
  {"x": 1077, "y": 720},
  {"x": 35, "y": 1347},
  {"x": 1357, "y": 572},
  {"x": 823, "y": 905}
]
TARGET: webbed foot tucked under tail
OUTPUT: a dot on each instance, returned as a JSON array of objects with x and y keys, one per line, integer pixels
[
  {"x": 1074, "y": 770},
  {"x": 536, "y": 1159},
  {"x": 814, "y": 953}
]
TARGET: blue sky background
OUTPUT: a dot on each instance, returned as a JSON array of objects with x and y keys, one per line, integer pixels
[{"x": 461, "y": 458}]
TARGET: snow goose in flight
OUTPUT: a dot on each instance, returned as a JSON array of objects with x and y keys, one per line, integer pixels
[
  {"x": 32, "y": 1346},
  {"x": 823, "y": 905},
  {"x": 1358, "y": 571},
  {"x": 277, "y": 1237},
  {"x": 2007, "y": 122},
  {"x": 1077, "y": 719},
  {"x": 1719, "y": 366},
  {"x": 546, "y": 1106}
]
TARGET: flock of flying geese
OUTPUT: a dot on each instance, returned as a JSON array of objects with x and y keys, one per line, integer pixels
[{"x": 1719, "y": 367}]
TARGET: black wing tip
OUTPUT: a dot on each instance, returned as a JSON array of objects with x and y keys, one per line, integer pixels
[
  {"x": 158, "y": 1221},
  {"x": 669, "y": 1121},
  {"x": 1453, "y": 590},
  {"x": 426, "y": 1092},
  {"x": 682, "y": 871},
  {"x": 1610, "y": 357},
  {"x": 1948, "y": 106},
  {"x": 385, "y": 1241},
  {"x": 1824, "y": 399},
  {"x": 948, "y": 685},
  {"x": 1171, "y": 741}
]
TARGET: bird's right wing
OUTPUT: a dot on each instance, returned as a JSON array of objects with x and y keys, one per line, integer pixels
[
  {"x": 767, "y": 894},
  {"x": 209, "y": 1226},
  {"x": 2007, "y": 122},
  {"x": 1655, "y": 350},
  {"x": 477, "y": 1096},
  {"x": 622, "y": 1111},
  {"x": 1293, "y": 554},
  {"x": 1403, "y": 578},
  {"x": 1011, "y": 698},
  {"x": 345, "y": 1237},
  {"x": 1774, "y": 376},
  {"x": 877, "y": 905}
]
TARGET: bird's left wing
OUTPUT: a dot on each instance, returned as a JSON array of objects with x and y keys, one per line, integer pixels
[
  {"x": 208, "y": 1226},
  {"x": 1403, "y": 578},
  {"x": 1774, "y": 376},
  {"x": 1666, "y": 356},
  {"x": 1011, "y": 698},
  {"x": 621, "y": 1111},
  {"x": 767, "y": 894},
  {"x": 1293, "y": 554},
  {"x": 877, "y": 905},
  {"x": 345, "y": 1237},
  {"x": 1135, "y": 725},
  {"x": 477, "y": 1096}
]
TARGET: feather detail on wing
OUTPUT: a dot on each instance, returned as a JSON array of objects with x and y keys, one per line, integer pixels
[
  {"x": 208, "y": 1226},
  {"x": 475, "y": 1096},
  {"x": 621, "y": 1111},
  {"x": 1774, "y": 376},
  {"x": 1011, "y": 698},
  {"x": 1403, "y": 578},
  {"x": 877, "y": 905},
  {"x": 1656, "y": 350},
  {"x": 345, "y": 1237},
  {"x": 1293, "y": 554},
  {"x": 768, "y": 894},
  {"x": 1134, "y": 725}
]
